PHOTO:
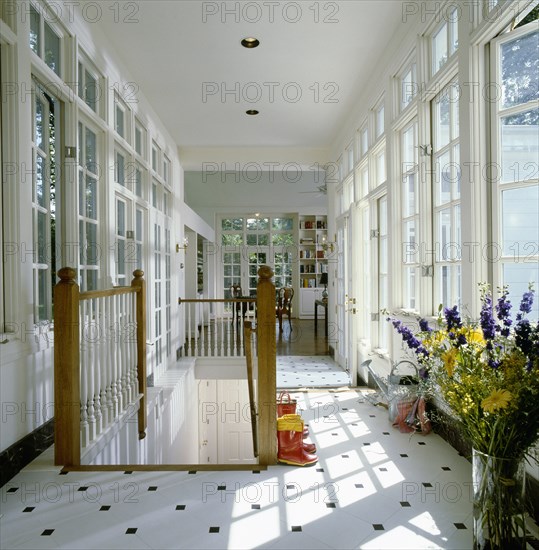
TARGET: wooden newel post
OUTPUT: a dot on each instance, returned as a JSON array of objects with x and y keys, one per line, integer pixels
[
  {"x": 140, "y": 284},
  {"x": 66, "y": 370},
  {"x": 267, "y": 377}
]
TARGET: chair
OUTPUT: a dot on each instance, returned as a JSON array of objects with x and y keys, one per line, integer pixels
[
  {"x": 284, "y": 305},
  {"x": 238, "y": 307}
]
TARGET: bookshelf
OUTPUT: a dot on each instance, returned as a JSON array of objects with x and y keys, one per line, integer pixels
[{"x": 312, "y": 260}]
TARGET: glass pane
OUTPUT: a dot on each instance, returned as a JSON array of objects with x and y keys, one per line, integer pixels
[
  {"x": 407, "y": 88},
  {"x": 41, "y": 238},
  {"x": 520, "y": 74},
  {"x": 443, "y": 179},
  {"x": 90, "y": 91},
  {"x": 82, "y": 206},
  {"x": 91, "y": 151},
  {"x": 520, "y": 222},
  {"x": 154, "y": 195},
  {"x": 409, "y": 242},
  {"x": 91, "y": 279},
  {"x": 380, "y": 121},
  {"x": 445, "y": 285},
  {"x": 251, "y": 239},
  {"x": 91, "y": 198},
  {"x": 444, "y": 235},
  {"x": 252, "y": 224},
  {"x": 364, "y": 141},
  {"x": 409, "y": 202},
  {"x": 227, "y": 270},
  {"x": 520, "y": 146},
  {"x": 442, "y": 121},
  {"x": 138, "y": 141},
  {"x": 232, "y": 239},
  {"x": 38, "y": 124},
  {"x": 138, "y": 182},
  {"x": 408, "y": 149},
  {"x": 453, "y": 19},
  {"x": 120, "y": 218},
  {"x": 283, "y": 239},
  {"x": 518, "y": 276},
  {"x": 92, "y": 253},
  {"x": 120, "y": 121},
  {"x": 138, "y": 225},
  {"x": 40, "y": 184},
  {"x": 236, "y": 270},
  {"x": 35, "y": 31},
  {"x": 52, "y": 49},
  {"x": 42, "y": 276},
  {"x": 283, "y": 224},
  {"x": 381, "y": 168},
  {"x": 456, "y": 171},
  {"x": 263, "y": 240},
  {"x": 120, "y": 169},
  {"x": 439, "y": 49}
]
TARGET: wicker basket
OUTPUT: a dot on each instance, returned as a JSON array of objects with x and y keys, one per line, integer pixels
[{"x": 402, "y": 385}]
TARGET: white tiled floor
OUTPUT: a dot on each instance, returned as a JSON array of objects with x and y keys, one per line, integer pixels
[
  {"x": 373, "y": 487},
  {"x": 316, "y": 371}
]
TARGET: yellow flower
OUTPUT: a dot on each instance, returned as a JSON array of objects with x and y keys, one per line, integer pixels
[
  {"x": 475, "y": 336},
  {"x": 449, "y": 359},
  {"x": 498, "y": 399}
]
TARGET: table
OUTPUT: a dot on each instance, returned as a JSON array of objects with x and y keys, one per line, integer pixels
[{"x": 324, "y": 304}]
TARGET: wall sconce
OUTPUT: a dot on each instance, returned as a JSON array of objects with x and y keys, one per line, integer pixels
[{"x": 185, "y": 244}]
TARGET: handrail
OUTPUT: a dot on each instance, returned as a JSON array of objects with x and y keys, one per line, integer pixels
[
  {"x": 248, "y": 330},
  {"x": 116, "y": 291},
  {"x": 216, "y": 300}
]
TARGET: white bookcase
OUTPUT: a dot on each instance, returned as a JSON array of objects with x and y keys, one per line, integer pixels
[{"x": 313, "y": 261}]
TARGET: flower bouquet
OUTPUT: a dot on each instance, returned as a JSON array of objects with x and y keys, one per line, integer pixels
[{"x": 487, "y": 372}]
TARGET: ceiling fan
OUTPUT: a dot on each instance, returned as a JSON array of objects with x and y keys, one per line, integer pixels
[{"x": 320, "y": 190}]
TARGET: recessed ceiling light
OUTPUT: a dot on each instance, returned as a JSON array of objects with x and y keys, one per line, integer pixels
[
  {"x": 252, "y": 112},
  {"x": 250, "y": 42}
]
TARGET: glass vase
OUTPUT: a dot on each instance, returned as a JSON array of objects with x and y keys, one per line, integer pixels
[{"x": 499, "y": 505}]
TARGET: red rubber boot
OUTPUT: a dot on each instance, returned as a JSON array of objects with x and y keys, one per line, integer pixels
[{"x": 290, "y": 441}]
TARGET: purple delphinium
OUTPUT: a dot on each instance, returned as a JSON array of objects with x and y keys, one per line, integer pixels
[
  {"x": 488, "y": 324},
  {"x": 503, "y": 310},
  {"x": 424, "y": 325},
  {"x": 408, "y": 336},
  {"x": 525, "y": 335},
  {"x": 525, "y": 304},
  {"x": 452, "y": 318}
]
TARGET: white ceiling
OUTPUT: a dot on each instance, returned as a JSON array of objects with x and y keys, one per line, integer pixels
[{"x": 173, "y": 52}]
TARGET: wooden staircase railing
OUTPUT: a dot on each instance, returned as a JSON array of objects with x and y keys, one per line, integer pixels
[{"x": 99, "y": 361}]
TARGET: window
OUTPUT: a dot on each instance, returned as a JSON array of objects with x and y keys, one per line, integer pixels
[
  {"x": 364, "y": 141},
  {"x": 89, "y": 85},
  {"x": 139, "y": 181},
  {"x": 88, "y": 208},
  {"x": 45, "y": 200},
  {"x": 410, "y": 216},
  {"x": 45, "y": 41},
  {"x": 139, "y": 236},
  {"x": 158, "y": 307},
  {"x": 408, "y": 87},
  {"x": 121, "y": 118},
  {"x": 120, "y": 169},
  {"x": 383, "y": 261},
  {"x": 156, "y": 157},
  {"x": 121, "y": 241},
  {"x": 166, "y": 169},
  {"x": 516, "y": 149},
  {"x": 446, "y": 197},
  {"x": 380, "y": 113},
  {"x": 140, "y": 139},
  {"x": 258, "y": 231},
  {"x": 445, "y": 40},
  {"x": 380, "y": 164}
]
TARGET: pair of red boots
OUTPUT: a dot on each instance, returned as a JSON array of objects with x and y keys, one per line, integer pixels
[{"x": 291, "y": 432}]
